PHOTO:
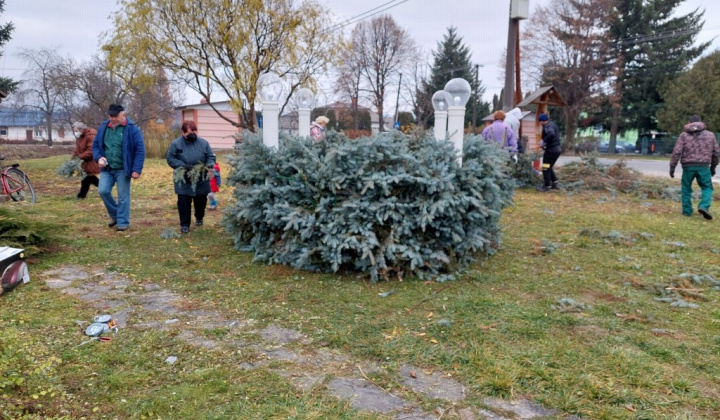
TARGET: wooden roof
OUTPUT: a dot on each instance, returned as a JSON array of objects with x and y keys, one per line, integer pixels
[
  {"x": 546, "y": 94},
  {"x": 490, "y": 117}
]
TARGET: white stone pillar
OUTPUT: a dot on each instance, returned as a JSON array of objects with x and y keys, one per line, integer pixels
[
  {"x": 303, "y": 122},
  {"x": 440, "y": 128},
  {"x": 456, "y": 124},
  {"x": 271, "y": 125}
]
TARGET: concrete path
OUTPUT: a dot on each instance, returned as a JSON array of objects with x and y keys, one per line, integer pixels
[{"x": 285, "y": 351}]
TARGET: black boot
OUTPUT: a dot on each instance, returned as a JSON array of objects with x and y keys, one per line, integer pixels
[{"x": 555, "y": 185}]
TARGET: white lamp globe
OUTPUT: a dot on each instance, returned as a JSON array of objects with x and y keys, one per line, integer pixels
[
  {"x": 305, "y": 98},
  {"x": 440, "y": 100},
  {"x": 459, "y": 90},
  {"x": 269, "y": 87}
]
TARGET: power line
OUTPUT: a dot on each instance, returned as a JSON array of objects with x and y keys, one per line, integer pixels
[
  {"x": 672, "y": 33},
  {"x": 656, "y": 37},
  {"x": 364, "y": 15},
  {"x": 359, "y": 17}
]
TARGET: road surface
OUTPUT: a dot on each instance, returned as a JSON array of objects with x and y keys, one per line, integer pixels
[{"x": 650, "y": 167}]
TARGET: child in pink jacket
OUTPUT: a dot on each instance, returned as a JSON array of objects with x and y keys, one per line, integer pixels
[{"x": 214, "y": 187}]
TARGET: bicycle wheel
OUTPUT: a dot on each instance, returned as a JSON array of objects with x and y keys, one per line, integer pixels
[{"x": 18, "y": 186}]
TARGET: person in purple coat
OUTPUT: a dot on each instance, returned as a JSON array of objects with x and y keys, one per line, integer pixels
[{"x": 502, "y": 134}]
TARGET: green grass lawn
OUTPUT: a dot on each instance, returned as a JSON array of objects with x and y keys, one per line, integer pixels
[{"x": 618, "y": 355}]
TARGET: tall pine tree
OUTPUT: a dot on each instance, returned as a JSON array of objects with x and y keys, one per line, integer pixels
[
  {"x": 651, "y": 46},
  {"x": 451, "y": 59},
  {"x": 6, "y": 84},
  {"x": 685, "y": 96}
]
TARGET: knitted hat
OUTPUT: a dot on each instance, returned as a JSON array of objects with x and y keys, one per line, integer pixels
[{"x": 543, "y": 117}]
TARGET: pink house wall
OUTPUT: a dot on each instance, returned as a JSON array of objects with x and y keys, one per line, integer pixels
[
  {"x": 529, "y": 129},
  {"x": 217, "y": 131}
]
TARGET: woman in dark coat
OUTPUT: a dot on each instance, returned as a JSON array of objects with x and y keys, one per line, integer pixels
[
  {"x": 184, "y": 155},
  {"x": 83, "y": 150}
]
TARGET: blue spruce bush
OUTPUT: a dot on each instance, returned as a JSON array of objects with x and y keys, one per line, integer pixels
[{"x": 388, "y": 205}]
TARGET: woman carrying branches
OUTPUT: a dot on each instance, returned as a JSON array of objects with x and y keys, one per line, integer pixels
[
  {"x": 83, "y": 150},
  {"x": 193, "y": 161}
]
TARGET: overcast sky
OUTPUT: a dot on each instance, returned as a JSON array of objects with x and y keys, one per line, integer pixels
[{"x": 74, "y": 27}]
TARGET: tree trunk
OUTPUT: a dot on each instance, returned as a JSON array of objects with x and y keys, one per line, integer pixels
[
  {"x": 571, "y": 117},
  {"x": 48, "y": 127},
  {"x": 381, "y": 121},
  {"x": 614, "y": 128},
  {"x": 252, "y": 121},
  {"x": 616, "y": 102}
]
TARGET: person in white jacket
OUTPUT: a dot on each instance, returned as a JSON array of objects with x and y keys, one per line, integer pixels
[{"x": 512, "y": 118}]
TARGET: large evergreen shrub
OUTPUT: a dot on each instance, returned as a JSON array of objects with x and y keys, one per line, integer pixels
[{"x": 388, "y": 205}]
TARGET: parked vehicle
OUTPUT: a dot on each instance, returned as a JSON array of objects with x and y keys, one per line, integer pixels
[
  {"x": 655, "y": 143},
  {"x": 605, "y": 147}
]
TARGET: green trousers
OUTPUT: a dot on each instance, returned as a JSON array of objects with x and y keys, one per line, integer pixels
[{"x": 704, "y": 180}]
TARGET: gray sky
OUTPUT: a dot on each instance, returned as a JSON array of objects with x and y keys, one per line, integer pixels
[{"x": 73, "y": 27}]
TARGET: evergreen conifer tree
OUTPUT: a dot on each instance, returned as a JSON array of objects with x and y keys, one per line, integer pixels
[
  {"x": 451, "y": 59},
  {"x": 6, "y": 84},
  {"x": 391, "y": 205},
  {"x": 652, "y": 46},
  {"x": 684, "y": 96}
]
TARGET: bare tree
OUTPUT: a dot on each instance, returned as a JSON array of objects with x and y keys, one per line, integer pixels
[
  {"x": 380, "y": 50},
  {"x": 348, "y": 84},
  {"x": 412, "y": 92},
  {"x": 86, "y": 89},
  {"x": 566, "y": 44},
  {"x": 38, "y": 90},
  {"x": 223, "y": 46}
]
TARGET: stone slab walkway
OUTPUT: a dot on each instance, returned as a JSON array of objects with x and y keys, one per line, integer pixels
[{"x": 151, "y": 306}]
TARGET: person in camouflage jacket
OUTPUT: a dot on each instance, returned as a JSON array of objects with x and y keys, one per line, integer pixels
[{"x": 697, "y": 151}]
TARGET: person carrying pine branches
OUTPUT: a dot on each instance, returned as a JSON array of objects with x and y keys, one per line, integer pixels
[{"x": 193, "y": 161}]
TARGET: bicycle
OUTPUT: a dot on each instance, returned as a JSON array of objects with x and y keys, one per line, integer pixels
[{"x": 15, "y": 183}]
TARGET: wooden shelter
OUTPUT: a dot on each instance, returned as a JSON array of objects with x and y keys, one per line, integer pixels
[{"x": 544, "y": 97}]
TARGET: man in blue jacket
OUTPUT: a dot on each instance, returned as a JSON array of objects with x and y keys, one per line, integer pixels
[{"x": 119, "y": 149}]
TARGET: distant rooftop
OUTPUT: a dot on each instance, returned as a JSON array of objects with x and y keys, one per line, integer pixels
[
  {"x": 13, "y": 118},
  {"x": 28, "y": 118}
]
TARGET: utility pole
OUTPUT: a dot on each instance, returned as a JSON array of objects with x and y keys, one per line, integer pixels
[
  {"x": 397, "y": 101},
  {"x": 475, "y": 98},
  {"x": 518, "y": 88},
  {"x": 519, "y": 9},
  {"x": 510, "y": 66}
]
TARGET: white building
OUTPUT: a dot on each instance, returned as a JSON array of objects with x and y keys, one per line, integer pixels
[{"x": 18, "y": 126}]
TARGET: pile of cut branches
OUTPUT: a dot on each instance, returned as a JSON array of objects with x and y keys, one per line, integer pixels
[{"x": 590, "y": 174}]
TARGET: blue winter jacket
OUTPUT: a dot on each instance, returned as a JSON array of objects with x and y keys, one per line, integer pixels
[{"x": 133, "y": 147}]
